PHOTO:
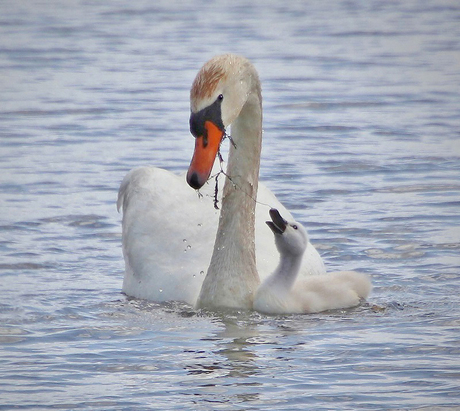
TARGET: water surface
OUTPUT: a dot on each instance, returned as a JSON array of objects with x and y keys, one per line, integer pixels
[{"x": 361, "y": 142}]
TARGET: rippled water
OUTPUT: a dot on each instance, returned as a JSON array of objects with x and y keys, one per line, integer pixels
[{"x": 361, "y": 142}]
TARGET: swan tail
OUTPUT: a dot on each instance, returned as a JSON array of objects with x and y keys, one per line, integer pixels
[
  {"x": 135, "y": 182},
  {"x": 122, "y": 192}
]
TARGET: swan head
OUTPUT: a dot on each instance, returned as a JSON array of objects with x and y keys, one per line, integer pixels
[
  {"x": 219, "y": 92},
  {"x": 290, "y": 238}
]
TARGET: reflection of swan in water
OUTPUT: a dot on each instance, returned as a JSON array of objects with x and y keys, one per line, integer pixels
[
  {"x": 169, "y": 233},
  {"x": 232, "y": 354},
  {"x": 280, "y": 293}
]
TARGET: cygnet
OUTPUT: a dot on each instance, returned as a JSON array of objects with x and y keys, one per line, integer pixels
[{"x": 284, "y": 292}]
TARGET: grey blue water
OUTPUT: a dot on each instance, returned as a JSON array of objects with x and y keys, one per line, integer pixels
[{"x": 361, "y": 143}]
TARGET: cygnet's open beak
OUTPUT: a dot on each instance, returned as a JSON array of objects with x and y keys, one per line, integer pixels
[
  {"x": 208, "y": 130},
  {"x": 278, "y": 223}
]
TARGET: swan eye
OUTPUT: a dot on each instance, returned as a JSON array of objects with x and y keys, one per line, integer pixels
[
  {"x": 294, "y": 227},
  {"x": 220, "y": 97}
]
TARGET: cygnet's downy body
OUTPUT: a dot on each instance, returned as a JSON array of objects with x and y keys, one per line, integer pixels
[{"x": 283, "y": 292}]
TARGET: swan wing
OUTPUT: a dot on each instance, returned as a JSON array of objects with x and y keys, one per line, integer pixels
[{"x": 168, "y": 233}]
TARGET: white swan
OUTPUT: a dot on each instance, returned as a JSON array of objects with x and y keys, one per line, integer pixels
[
  {"x": 280, "y": 293},
  {"x": 169, "y": 231}
]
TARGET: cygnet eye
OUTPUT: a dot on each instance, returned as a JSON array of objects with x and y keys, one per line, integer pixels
[
  {"x": 220, "y": 97},
  {"x": 294, "y": 227}
]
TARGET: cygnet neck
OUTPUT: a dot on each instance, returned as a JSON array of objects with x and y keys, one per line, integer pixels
[{"x": 287, "y": 270}]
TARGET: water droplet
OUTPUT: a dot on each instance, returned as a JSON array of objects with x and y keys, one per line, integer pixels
[
  {"x": 200, "y": 224},
  {"x": 201, "y": 272},
  {"x": 160, "y": 290},
  {"x": 184, "y": 240},
  {"x": 189, "y": 247}
]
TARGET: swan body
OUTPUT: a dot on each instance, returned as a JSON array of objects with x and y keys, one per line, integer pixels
[
  {"x": 169, "y": 233},
  {"x": 282, "y": 292}
]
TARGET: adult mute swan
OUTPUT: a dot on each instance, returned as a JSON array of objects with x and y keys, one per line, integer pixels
[
  {"x": 280, "y": 293},
  {"x": 169, "y": 232}
]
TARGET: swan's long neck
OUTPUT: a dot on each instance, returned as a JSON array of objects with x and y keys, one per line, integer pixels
[{"x": 232, "y": 276}]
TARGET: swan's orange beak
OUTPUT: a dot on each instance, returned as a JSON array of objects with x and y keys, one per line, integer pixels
[{"x": 206, "y": 148}]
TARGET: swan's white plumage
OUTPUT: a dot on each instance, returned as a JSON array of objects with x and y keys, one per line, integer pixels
[
  {"x": 284, "y": 292},
  {"x": 169, "y": 233},
  {"x": 178, "y": 247}
]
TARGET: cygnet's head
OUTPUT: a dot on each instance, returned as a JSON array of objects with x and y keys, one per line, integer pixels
[{"x": 290, "y": 238}]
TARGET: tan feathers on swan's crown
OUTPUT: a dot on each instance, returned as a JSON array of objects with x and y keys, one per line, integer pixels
[{"x": 211, "y": 74}]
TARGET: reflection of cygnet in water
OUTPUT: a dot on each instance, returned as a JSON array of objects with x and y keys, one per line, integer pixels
[{"x": 282, "y": 292}]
